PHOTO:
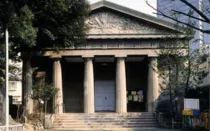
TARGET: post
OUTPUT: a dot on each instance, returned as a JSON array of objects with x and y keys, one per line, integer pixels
[
  {"x": 7, "y": 79},
  {"x": 121, "y": 100},
  {"x": 89, "y": 106}
]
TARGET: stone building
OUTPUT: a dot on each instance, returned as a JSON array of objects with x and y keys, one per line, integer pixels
[{"x": 114, "y": 70}]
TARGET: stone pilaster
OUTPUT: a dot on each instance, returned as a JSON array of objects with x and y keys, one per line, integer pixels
[
  {"x": 121, "y": 100},
  {"x": 57, "y": 83},
  {"x": 89, "y": 86},
  {"x": 153, "y": 85}
]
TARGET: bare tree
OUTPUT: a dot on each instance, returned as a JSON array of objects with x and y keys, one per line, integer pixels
[{"x": 204, "y": 17}]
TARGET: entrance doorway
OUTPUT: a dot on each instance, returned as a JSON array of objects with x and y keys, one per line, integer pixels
[
  {"x": 104, "y": 96},
  {"x": 136, "y": 78}
]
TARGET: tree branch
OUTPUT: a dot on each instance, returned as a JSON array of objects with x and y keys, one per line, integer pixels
[
  {"x": 196, "y": 10},
  {"x": 179, "y": 12},
  {"x": 187, "y": 24},
  {"x": 169, "y": 17}
]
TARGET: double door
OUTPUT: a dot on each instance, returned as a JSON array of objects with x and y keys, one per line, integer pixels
[{"x": 104, "y": 96}]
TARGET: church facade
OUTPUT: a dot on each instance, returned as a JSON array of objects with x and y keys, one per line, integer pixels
[{"x": 116, "y": 69}]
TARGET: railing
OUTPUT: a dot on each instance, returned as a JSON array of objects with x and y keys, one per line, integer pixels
[
  {"x": 160, "y": 119},
  {"x": 166, "y": 122},
  {"x": 13, "y": 128},
  {"x": 181, "y": 121}
]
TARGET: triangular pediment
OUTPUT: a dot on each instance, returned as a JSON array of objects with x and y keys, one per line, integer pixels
[{"x": 107, "y": 18}]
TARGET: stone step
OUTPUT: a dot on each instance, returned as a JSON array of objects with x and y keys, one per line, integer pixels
[
  {"x": 105, "y": 126},
  {"x": 111, "y": 119},
  {"x": 103, "y": 115},
  {"x": 104, "y": 123},
  {"x": 77, "y": 121},
  {"x": 98, "y": 114},
  {"x": 149, "y": 116},
  {"x": 116, "y": 125},
  {"x": 99, "y": 120},
  {"x": 109, "y": 113},
  {"x": 101, "y": 126},
  {"x": 143, "y": 118},
  {"x": 104, "y": 120},
  {"x": 100, "y": 123},
  {"x": 109, "y": 129}
]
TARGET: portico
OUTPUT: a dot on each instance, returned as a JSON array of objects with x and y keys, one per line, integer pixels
[
  {"x": 115, "y": 70},
  {"x": 104, "y": 92}
]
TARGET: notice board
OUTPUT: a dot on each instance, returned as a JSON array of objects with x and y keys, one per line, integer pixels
[{"x": 191, "y": 104}]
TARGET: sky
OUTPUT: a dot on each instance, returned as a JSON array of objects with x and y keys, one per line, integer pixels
[{"x": 139, "y": 5}]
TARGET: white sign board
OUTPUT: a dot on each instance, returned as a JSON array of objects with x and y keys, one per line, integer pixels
[{"x": 191, "y": 104}]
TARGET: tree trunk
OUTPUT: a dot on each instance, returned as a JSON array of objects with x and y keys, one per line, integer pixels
[
  {"x": 27, "y": 84},
  {"x": 45, "y": 110},
  {"x": 45, "y": 107},
  {"x": 177, "y": 85},
  {"x": 188, "y": 75},
  {"x": 170, "y": 91}
]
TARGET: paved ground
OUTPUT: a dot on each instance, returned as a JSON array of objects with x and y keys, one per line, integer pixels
[{"x": 157, "y": 129}]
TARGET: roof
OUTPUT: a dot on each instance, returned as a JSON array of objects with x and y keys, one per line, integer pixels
[{"x": 134, "y": 13}]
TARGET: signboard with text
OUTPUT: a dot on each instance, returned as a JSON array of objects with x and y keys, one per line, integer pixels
[{"x": 191, "y": 104}]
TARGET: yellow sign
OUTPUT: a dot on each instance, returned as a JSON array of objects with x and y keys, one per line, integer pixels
[
  {"x": 187, "y": 112},
  {"x": 133, "y": 92}
]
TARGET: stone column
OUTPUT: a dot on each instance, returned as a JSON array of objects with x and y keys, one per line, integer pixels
[
  {"x": 121, "y": 100},
  {"x": 27, "y": 85},
  {"x": 153, "y": 85},
  {"x": 57, "y": 83},
  {"x": 89, "y": 106}
]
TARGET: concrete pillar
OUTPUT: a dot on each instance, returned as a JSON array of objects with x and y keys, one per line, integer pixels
[
  {"x": 89, "y": 86},
  {"x": 57, "y": 83},
  {"x": 121, "y": 99},
  {"x": 153, "y": 85}
]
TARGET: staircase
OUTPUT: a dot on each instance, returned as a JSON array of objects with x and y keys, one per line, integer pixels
[{"x": 104, "y": 121}]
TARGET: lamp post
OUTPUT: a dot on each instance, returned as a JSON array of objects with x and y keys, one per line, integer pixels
[{"x": 7, "y": 78}]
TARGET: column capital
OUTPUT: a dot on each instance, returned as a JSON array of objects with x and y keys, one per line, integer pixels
[
  {"x": 56, "y": 59},
  {"x": 153, "y": 61},
  {"x": 152, "y": 58},
  {"x": 120, "y": 58},
  {"x": 56, "y": 56},
  {"x": 88, "y": 58}
]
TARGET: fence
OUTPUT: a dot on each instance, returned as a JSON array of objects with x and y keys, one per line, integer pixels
[
  {"x": 13, "y": 128},
  {"x": 163, "y": 121},
  {"x": 188, "y": 122}
]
